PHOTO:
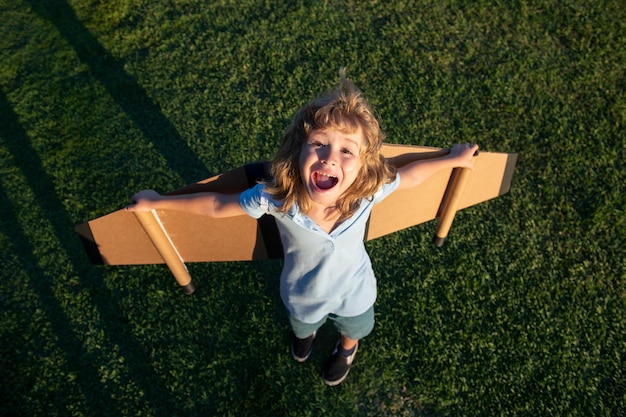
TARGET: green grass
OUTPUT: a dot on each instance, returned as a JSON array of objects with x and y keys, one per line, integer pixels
[{"x": 522, "y": 312}]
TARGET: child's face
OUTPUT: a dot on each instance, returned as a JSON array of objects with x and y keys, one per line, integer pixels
[{"x": 330, "y": 161}]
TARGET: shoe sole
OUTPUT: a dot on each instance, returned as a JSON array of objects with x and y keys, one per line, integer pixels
[
  {"x": 298, "y": 358},
  {"x": 337, "y": 382}
]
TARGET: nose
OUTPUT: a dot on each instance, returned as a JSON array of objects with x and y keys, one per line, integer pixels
[{"x": 327, "y": 155}]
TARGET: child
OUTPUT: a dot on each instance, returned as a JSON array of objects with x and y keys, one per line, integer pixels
[{"x": 326, "y": 177}]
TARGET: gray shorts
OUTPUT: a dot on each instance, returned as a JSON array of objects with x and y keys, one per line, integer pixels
[{"x": 356, "y": 327}]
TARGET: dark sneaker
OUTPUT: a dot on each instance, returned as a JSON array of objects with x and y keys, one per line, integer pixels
[
  {"x": 338, "y": 366},
  {"x": 301, "y": 348}
]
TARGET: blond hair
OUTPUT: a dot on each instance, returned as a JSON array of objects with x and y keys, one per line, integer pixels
[{"x": 346, "y": 109}]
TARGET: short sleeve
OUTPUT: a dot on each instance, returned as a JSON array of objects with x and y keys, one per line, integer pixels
[
  {"x": 387, "y": 189},
  {"x": 256, "y": 202}
]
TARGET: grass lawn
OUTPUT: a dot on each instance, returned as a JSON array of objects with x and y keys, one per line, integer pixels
[{"x": 522, "y": 312}]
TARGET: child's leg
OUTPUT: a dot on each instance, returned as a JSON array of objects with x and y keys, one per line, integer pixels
[
  {"x": 352, "y": 329},
  {"x": 348, "y": 343}
]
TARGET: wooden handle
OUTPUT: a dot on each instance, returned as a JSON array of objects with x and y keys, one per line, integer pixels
[
  {"x": 458, "y": 180},
  {"x": 154, "y": 229}
]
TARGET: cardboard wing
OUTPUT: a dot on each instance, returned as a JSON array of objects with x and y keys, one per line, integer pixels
[
  {"x": 441, "y": 195},
  {"x": 131, "y": 238}
]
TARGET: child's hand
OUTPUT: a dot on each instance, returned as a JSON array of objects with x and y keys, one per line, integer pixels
[
  {"x": 143, "y": 201},
  {"x": 463, "y": 154}
]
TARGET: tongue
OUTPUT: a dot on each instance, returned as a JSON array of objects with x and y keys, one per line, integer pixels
[{"x": 325, "y": 183}]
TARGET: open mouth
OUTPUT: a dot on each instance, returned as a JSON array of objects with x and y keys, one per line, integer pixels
[{"x": 324, "y": 181}]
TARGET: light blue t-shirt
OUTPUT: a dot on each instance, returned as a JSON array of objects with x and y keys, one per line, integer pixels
[{"x": 322, "y": 273}]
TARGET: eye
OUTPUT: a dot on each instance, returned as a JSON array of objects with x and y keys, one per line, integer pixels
[{"x": 346, "y": 151}]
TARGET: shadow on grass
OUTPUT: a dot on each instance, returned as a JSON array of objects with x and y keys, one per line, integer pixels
[
  {"x": 79, "y": 362},
  {"x": 129, "y": 95}
]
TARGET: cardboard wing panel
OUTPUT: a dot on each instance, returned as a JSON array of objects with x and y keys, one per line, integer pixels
[
  {"x": 490, "y": 178},
  {"x": 119, "y": 239}
]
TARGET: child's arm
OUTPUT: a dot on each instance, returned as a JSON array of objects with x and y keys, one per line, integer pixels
[
  {"x": 413, "y": 174},
  {"x": 207, "y": 204}
]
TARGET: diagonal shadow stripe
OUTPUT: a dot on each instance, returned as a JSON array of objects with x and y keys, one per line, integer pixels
[
  {"x": 76, "y": 362},
  {"x": 112, "y": 321},
  {"x": 129, "y": 95}
]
